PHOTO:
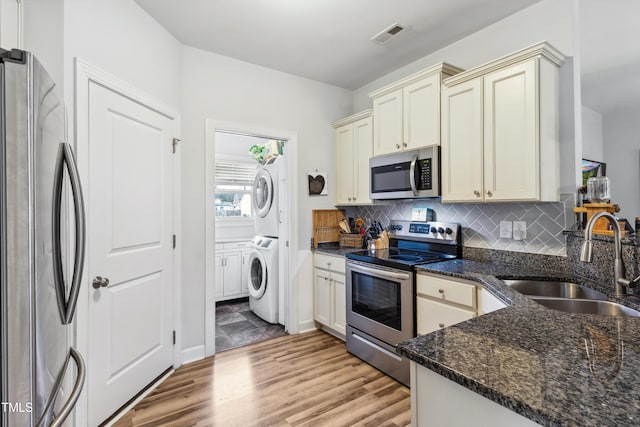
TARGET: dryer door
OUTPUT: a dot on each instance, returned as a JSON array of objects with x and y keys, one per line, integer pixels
[
  {"x": 262, "y": 197},
  {"x": 257, "y": 274}
]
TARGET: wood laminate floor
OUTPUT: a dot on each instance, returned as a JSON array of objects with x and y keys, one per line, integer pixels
[{"x": 296, "y": 380}]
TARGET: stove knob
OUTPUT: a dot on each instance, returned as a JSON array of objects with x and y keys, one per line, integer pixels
[
  {"x": 399, "y": 227},
  {"x": 448, "y": 230},
  {"x": 440, "y": 230},
  {"x": 434, "y": 230}
]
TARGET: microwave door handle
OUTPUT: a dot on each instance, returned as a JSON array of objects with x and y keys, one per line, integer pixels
[{"x": 412, "y": 175}]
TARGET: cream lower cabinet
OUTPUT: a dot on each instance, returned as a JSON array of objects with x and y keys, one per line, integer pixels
[
  {"x": 353, "y": 146},
  {"x": 500, "y": 135},
  {"x": 443, "y": 302},
  {"x": 231, "y": 270},
  {"x": 438, "y": 401},
  {"x": 329, "y": 293}
]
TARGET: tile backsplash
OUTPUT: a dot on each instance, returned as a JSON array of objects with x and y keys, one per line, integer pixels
[{"x": 481, "y": 222}]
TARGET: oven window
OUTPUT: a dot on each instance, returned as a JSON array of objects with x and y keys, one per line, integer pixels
[{"x": 376, "y": 299}]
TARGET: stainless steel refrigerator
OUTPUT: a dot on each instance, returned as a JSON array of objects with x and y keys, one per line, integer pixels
[{"x": 42, "y": 241}]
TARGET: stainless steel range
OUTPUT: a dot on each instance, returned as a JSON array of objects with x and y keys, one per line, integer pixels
[{"x": 381, "y": 290}]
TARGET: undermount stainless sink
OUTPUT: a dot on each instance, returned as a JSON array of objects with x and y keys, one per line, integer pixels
[
  {"x": 581, "y": 306},
  {"x": 555, "y": 289}
]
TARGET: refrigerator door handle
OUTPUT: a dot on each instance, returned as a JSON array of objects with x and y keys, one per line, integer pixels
[
  {"x": 68, "y": 406},
  {"x": 66, "y": 159}
]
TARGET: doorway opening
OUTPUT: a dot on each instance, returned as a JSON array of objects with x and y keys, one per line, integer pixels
[{"x": 247, "y": 293}]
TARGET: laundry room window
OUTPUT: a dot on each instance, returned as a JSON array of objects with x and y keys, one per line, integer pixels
[{"x": 234, "y": 181}]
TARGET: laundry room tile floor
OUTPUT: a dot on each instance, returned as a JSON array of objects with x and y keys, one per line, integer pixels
[{"x": 236, "y": 326}]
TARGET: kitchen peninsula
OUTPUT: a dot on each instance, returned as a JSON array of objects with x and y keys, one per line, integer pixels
[{"x": 541, "y": 365}]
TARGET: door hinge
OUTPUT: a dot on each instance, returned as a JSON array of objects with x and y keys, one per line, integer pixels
[
  {"x": 174, "y": 241},
  {"x": 174, "y": 143},
  {"x": 174, "y": 337}
]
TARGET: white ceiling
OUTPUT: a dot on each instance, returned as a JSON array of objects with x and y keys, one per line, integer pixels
[{"x": 326, "y": 40}]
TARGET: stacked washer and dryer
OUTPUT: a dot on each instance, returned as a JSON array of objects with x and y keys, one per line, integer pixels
[{"x": 263, "y": 262}]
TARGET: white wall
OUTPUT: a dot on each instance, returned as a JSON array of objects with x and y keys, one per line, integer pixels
[
  {"x": 621, "y": 130},
  {"x": 44, "y": 35},
  {"x": 592, "y": 134},
  {"x": 222, "y": 88},
  {"x": 549, "y": 20},
  {"x": 10, "y": 24},
  {"x": 122, "y": 39}
]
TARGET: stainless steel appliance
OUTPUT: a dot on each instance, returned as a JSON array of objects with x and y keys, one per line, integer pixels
[
  {"x": 381, "y": 290},
  {"x": 38, "y": 298},
  {"x": 406, "y": 175}
]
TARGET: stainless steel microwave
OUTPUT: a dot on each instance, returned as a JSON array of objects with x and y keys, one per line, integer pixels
[{"x": 406, "y": 175}]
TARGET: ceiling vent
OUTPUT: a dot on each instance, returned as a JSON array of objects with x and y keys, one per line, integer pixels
[{"x": 388, "y": 33}]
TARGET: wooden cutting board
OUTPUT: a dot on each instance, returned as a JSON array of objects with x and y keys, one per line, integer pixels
[{"x": 325, "y": 225}]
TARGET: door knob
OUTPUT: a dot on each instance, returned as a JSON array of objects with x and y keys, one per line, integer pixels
[{"x": 98, "y": 282}]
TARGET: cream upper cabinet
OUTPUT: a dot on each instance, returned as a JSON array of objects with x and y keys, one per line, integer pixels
[
  {"x": 387, "y": 110},
  {"x": 406, "y": 113},
  {"x": 500, "y": 138},
  {"x": 461, "y": 150},
  {"x": 353, "y": 147},
  {"x": 421, "y": 113}
]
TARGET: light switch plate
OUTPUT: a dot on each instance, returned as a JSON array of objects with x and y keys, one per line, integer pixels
[
  {"x": 519, "y": 230},
  {"x": 506, "y": 229}
]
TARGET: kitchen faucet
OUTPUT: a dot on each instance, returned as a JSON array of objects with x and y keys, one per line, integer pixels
[{"x": 620, "y": 281}]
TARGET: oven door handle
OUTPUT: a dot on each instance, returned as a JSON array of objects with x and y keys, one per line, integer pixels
[
  {"x": 412, "y": 175},
  {"x": 378, "y": 272}
]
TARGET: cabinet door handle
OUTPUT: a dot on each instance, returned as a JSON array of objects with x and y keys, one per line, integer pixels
[
  {"x": 441, "y": 325},
  {"x": 398, "y": 146},
  {"x": 489, "y": 193},
  {"x": 404, "y": 144},
  {"x": 476, "y": 193},
  {"x": 349, "y": 198},
  {"x": 441, "y": 291}
]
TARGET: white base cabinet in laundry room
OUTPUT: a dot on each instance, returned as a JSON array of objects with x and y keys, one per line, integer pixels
[
  {"x": 329, "y": 293},
  {"x": 231, "y": 271}
]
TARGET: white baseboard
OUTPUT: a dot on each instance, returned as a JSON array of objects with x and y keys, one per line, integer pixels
[
  {"x": 192, "y": 354},
  {"x": 306, "y": 326}
]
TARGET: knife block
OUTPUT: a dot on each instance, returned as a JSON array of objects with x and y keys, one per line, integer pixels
[{"x": 602, "y": 225}]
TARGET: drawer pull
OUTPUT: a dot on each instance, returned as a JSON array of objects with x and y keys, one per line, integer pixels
[{"x": 441, "y": 325}]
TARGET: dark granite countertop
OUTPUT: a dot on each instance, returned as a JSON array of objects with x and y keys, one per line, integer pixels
[
  {"x": 335, "y": 250},
  {"x": 555, "y": 368}
]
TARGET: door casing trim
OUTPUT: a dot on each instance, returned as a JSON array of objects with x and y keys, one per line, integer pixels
[{"x": 85, "y": 74}]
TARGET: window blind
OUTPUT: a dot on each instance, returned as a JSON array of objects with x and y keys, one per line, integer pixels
[{"x": 234, "y": 173}]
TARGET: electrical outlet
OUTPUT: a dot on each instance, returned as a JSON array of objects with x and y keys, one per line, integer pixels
[
  {"x": 506, "y": 229},
  {"x": 519, "y": 230}
]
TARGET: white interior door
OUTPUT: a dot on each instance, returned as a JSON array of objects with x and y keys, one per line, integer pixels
[{"x": 130, "y": 212}]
